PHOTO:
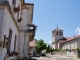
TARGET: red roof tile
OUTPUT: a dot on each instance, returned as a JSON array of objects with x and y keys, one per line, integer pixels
[
  {"x": 33, "y": 43},
  {"x": 62, "y": 41}
]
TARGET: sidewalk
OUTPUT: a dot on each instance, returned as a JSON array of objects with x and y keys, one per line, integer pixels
[{"x": 78, "y": 59}]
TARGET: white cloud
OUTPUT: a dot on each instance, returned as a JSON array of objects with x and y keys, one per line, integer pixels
[
  {"x": 78, "y": 30},
  {"x": 50, "y": 41}
]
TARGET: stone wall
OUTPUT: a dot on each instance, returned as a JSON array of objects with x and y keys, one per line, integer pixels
[
  {"x": 60, "y": 53},
  {"x": 73, "y": 54}
]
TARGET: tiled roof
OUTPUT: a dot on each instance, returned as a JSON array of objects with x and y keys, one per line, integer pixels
[
  {"x": 72, "y": 38},
  {"x": 33, "y": 43},
  {"x": 68, "y": 39}
]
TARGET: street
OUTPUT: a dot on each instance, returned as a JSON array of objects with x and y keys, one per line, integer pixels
[{"x": 53, "y": 58}]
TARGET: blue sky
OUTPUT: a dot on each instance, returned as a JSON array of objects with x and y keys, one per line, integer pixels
[{"x": 49, "y": 13}]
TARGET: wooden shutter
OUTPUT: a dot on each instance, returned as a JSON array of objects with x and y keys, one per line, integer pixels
[
  {"x": 9, "y": 41},
  {"x": 4, "y": 41},
  {"x": 15, "y": 43}
]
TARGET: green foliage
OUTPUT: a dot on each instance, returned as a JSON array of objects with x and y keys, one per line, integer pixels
[
  {"x": 77, "y": 49},
  {"x": 52, "y": 50},
  {"x": 67, "y": 49},
  {"x": 48, "y": 49},
  {"x": 61, "y": 50},
  {"x": 56, "y": 50},
  {"x": 78, "y": 57},
  {"x": 40, "y": 45}
]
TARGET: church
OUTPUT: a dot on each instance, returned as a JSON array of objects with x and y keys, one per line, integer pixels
[{"x": 61, "y": 42}]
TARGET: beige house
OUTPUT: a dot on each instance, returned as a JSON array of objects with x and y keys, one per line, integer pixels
[
  {"x": 15, "y": 28},
  {"x": 32, "y": 49},
  {"x": 72, "y": 43},
  {"x": 61, "y": 42}
]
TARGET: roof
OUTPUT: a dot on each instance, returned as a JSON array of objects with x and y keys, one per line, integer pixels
[
  {"x": 67, "y": 39},
  {"x": 57, "y": 29},
  {"x": 33, "y": 43}
]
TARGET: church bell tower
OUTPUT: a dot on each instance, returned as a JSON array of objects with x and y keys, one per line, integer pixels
[{"x": 57, "y": 34}]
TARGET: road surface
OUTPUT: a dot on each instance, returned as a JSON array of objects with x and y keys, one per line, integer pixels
[{"x": 53, "y": 58}]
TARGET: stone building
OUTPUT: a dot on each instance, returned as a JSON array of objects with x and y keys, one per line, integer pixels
[
  {"x": 57, "y": 34},
  {"x": 61, "y": 42},
  {"x": 32, "y": 46},
  {"x": 15, "y": 27}
]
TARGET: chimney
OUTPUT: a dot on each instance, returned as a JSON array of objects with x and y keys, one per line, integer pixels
[{"x": 74, "y": 36}]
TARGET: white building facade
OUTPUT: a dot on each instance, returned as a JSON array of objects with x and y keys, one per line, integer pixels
[{"x": 15, "y": 23}]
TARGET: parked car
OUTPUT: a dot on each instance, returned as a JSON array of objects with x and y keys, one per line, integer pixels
[{"x": 43, "y": 54}]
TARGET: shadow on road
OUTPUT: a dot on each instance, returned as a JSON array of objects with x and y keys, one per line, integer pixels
[
  {"x": 34, "y": 59},
  {"x": 47, "y": 57}
]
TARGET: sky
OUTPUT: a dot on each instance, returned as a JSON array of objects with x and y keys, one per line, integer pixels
[{"x": 48, "y": 13}]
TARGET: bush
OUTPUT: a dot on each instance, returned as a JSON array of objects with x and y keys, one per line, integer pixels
[{"x": 78, "y": 57}]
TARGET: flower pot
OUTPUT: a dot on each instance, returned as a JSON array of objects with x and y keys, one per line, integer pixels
[
  {"x": 19, "y": 20},
  {"x": 16, "y": 9}
]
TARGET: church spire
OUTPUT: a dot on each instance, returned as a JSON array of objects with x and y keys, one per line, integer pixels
[{"x": 57, "y": 26}]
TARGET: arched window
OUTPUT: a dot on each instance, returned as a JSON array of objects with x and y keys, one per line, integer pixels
[
  {"x": 57, "y": 32},
  {"x": 14, "y": 2},
  {"x": 60, "y": 32}
]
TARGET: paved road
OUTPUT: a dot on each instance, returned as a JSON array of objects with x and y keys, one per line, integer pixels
[
  {"x": 43, "y": 58},
  {"x": 53, "y": 58},
  {"x": 62, "y": 58}
]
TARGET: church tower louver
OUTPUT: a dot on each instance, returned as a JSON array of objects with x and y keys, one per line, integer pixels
[{"x": 57, "y": 34}]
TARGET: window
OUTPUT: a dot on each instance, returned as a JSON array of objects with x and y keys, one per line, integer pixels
[
  {"x": 9, "y": 41},
  {"x": 18, "y": 15},
  {"x": 14, "y": 2},
  {"x": 57, "y": 32},
  {"x": 4, "y": 41},
  {"x": 15, "y": 43},
  {"x": 70, "y": 44},
  {"x": 60, "y": 32}
]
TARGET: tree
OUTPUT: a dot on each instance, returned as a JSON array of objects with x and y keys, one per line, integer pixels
[
  {"x": 48, "y": 49},
  {"x": 40, "y": 45}
]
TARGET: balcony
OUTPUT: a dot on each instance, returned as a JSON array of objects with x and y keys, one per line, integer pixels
[
  {"x": 31, "y": 25},
  {"x": 31, "y": 31}
]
